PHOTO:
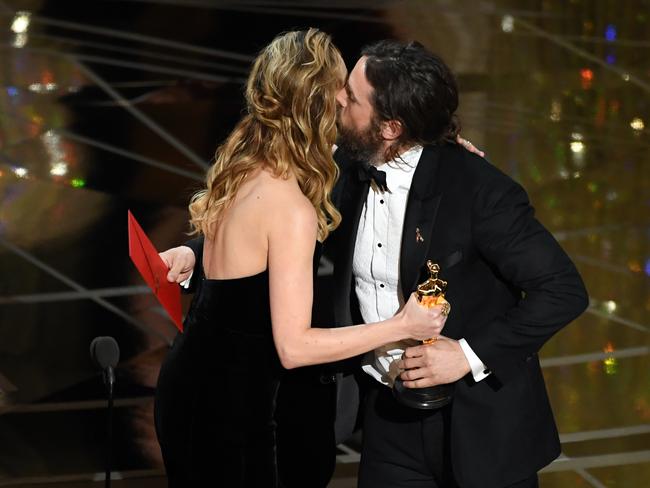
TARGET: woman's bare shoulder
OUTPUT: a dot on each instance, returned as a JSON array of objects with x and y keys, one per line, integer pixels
[
  {"x": 283, "y": 203},
  {"x": 280, "y": 191}
]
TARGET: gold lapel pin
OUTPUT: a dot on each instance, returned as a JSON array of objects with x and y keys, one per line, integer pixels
[{"x": 418, "y": 235}]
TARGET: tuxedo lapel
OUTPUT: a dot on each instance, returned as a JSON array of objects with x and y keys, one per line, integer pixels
[
  {"x": 421, "y": 211},
  {"x": 353, "y": 195}
]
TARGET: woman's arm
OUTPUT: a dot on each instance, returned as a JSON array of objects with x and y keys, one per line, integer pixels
[{"x": 291, "y": 239}]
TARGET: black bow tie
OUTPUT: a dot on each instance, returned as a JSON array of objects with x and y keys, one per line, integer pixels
[{"x": 370, "y": 173}]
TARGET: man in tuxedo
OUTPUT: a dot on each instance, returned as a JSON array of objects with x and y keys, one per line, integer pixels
[{"x": 409, "y": 193}]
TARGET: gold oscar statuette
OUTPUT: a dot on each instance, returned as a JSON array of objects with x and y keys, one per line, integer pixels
[{"x": 430, "y": 293}]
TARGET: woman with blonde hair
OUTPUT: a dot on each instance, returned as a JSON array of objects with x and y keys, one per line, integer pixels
[{"x": 265, "y": 209}]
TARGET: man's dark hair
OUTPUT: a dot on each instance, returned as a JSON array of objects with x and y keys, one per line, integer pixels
[{"x": 415, "y": 87}]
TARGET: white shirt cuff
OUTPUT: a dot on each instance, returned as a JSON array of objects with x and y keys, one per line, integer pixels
[
  {"x": 479, "y": 370},
  {"x": 186, "y": 284}
]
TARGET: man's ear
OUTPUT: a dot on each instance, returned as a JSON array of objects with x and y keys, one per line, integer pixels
[{"x": 391, "y": 130}]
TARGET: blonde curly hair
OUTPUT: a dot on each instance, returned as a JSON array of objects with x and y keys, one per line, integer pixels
[{"x": 289, "y": 128}]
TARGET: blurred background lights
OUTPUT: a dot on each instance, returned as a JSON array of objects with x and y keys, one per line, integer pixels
[
  {"x": 626, "y": 76},
  {"x": 610, "y": 33},
  {"x": 587, "y": 76},
  {"x": 556, "y": 110},
  {"x": 78, "y": 183},
  {"x": 42, "y": 87},
  {"x": 610, "y": 363},
  {"x": 19, "y": 40},
  {"x": 507, "y": 23},
  {"x": 610, "y": 306},
  {"x": 52, "y": 142},
  {"x": 637, "y": 124},
  {"x": 59, "y": 169},
  {"x": 634, "y": 266},
  {"x": 577, "y": 146},
  {"x": 50, "y": 137},
  {"x": 20, "y": 23},
  {"x": 21, "y": 172}
]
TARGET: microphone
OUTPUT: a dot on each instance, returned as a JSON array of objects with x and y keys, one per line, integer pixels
[{"x": 105, "y": 353}]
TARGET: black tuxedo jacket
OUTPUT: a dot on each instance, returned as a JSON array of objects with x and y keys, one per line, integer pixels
[{"x": 511, "y": 287}]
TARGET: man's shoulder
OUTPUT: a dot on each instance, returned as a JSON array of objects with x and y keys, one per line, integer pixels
[
  {"x": 452, "y": 154},
  {"x": 471, "y": 169}
]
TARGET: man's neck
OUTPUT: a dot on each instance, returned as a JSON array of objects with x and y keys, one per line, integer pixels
[{"x": 380, "y": 160}]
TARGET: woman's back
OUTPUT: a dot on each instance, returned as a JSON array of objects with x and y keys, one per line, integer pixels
[{"x": 240, "y": 244}]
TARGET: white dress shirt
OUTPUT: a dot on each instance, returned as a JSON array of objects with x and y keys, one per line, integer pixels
[{"x": 376, "y": 265}]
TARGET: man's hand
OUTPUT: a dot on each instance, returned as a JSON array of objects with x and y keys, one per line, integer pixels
[
  {"x": 180, "y": 261},
  {"x": 469, "y": 146},
  {"x": 434, "y": 364}
]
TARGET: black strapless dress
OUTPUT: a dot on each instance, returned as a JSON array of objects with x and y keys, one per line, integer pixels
[{"x": 217, "y": 390}]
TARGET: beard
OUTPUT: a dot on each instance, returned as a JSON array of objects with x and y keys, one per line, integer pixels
[{"x": 361, "y": 145}]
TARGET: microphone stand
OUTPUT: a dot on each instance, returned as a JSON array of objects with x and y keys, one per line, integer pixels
[{"x": 109, "y": 381}]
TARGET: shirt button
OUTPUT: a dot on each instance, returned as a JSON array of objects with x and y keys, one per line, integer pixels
[
  {"x": 381, "y": 201},
  {"x": 381, "y": 285},
  {"x": 379, "y": 245}
]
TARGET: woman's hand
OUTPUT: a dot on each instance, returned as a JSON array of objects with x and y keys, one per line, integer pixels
[
  {"x": 180, "y": 261},
  {"x": 421, "y": 322},
  {"x": 469, "y": 146}
]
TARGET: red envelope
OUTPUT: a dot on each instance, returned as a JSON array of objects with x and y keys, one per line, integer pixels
[{"x": 154, "y": 271}]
